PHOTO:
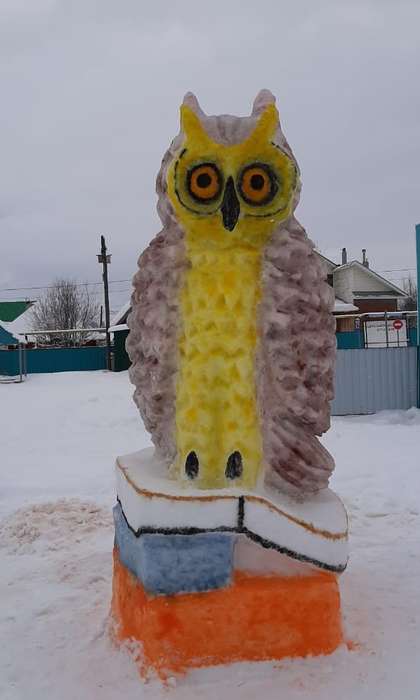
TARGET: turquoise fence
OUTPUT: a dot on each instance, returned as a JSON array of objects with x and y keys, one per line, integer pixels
[
  {"x": 93, "y": 358},
  {"x": 9, "y": 362},
  {"x": 6, "y": 338},
  {"x": 349, "y": 340},
  {"x": 412, "y": 336},
  {"x": 353, "y": 340},
  {"x": 54, "y": 360}
]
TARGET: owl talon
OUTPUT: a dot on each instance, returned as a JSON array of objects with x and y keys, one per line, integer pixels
[
  {"x": 191, "y": 465},
  {"x": 234, "y": 466}
]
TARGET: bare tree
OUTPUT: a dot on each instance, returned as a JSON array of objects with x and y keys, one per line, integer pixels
[
  {"x": 409, "y": 303},
  {"x": 64, "y": 306}
]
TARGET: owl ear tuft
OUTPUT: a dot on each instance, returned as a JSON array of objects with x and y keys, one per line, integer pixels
[
  {"x": 267, "y": 123},
  {"x": 192, "y": 127},
  {"x": 191, "y": 120},
  {"x": 262, "y": 101},
  {"x": 191, "y": 101}
]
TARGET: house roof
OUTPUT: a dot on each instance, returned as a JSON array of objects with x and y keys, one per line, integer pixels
[
  {"x": 355, "y": 263},
  {"x": 327, "y": 260},
  {"x": 121, "y": 315},
  {"x": 373, "y": 294},
  {"x": 17, "y": 328},
  {"x": 341, "y": 307},
  {"x": 120, "y": 327},
  {"x": 10, "y": 310}
]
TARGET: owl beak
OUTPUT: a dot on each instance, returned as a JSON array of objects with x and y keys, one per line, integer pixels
[{"x": 230, "y": 206}]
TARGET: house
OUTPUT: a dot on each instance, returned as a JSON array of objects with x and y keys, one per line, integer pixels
[
  {"x": 120, "y": 317},
  {"x": 119, "y": 332},
  {"x": 359, "y": 289},
  {"x": 355, "y": 282},
  {"x": 15, "y": 320},
  {"x": 340, "y": 306}
]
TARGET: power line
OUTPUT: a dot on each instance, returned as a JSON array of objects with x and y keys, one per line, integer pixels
[
  {"x": 53, "y": 286},
  {"x": 113, "y": 292},
  {"x": 401, "y": 269},
  {"x": 94, "y": 294},
  {"x": 85, "y": 284}
]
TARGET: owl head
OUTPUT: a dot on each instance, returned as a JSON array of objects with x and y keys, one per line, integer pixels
[{"x": 231, "y": 180}]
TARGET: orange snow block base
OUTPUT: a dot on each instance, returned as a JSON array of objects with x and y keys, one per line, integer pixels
[{"x": 256, "y": 618}]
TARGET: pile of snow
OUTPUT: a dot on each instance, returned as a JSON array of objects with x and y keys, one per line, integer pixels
[
  {"x": 46, "y": 527},
  {"x": 60, "y": 435}
]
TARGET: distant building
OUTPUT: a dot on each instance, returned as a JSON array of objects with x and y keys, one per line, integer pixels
[
  {"x": 359, "y": 289},
  {"x": 15, "y": 319},
  {"x": 119, "y": 333},
  {"x": 120, "y": 317}
]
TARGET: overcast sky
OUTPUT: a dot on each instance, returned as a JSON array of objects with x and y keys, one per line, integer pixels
[{"x": 90, "y": 91}]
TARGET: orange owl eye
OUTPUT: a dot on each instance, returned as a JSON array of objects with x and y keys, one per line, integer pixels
[
  {"x": 204, "y": 182},
  {"x": 258, "y": 184}
]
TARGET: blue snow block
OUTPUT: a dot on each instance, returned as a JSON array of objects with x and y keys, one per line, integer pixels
[{"x": 175, "y": 563}]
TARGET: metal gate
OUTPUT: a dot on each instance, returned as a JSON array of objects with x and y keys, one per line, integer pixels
[{"x": 375, "y": 379}]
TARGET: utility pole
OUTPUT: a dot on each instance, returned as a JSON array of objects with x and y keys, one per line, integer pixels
[
  {"x": 105, "y": 259},
  {"x": 418, "y": 311},
  {"x": 418, "y": 282}
]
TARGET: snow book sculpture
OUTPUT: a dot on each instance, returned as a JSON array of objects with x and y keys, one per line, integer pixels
[{"x": 228, "y": 542}]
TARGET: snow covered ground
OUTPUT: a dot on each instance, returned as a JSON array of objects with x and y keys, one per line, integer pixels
[{"x": 59, "y": 437}]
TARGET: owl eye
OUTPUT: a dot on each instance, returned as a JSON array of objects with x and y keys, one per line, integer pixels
[
  {"x": 258, "y": 184},
  {"x": 204, "y": 182}
]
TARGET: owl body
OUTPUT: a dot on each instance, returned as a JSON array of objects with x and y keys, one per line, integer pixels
[{"x": 232, "y": 340}]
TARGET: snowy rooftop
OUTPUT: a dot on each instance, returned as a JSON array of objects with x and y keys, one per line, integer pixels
[
  {"x": 341, "y": 307},
  {"x": 120, "y": 316},
  {"x": 119, "y": 327},
  {"x": 21, "y": 325}
]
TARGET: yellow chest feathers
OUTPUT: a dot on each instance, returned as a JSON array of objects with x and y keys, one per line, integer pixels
[{"x": 216, "y": 411}]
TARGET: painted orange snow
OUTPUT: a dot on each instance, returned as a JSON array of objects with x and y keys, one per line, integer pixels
[{"x": 256, "y": 618}]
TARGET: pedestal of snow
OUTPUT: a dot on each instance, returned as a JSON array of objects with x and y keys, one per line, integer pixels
[{"x": 210, "y": 577}]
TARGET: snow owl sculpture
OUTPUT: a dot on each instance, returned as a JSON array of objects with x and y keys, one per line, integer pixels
[{"x": 232, "y": 338}]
